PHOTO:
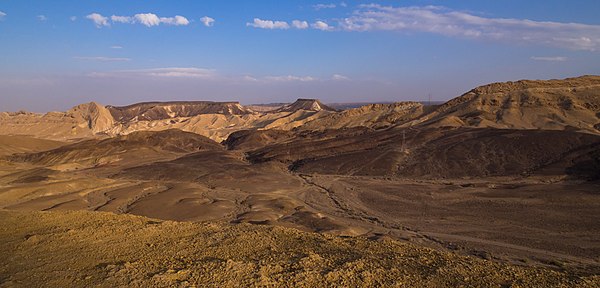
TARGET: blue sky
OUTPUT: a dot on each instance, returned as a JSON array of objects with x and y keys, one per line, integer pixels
[{"x": 56, "y": 54}]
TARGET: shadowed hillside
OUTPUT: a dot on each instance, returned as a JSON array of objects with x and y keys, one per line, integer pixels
[
  {"x": 436, "y": 153},
  {"x": 135, "y": 146}
]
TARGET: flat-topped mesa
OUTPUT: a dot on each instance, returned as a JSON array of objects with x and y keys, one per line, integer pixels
[
  {"x": 305, "y": 104},
  {"x": 148, "y": 111}
]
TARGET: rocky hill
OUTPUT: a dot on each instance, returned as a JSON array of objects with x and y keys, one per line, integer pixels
[
  {"x": 304, "y": 104},
  {"x": 569, "y": 104},
  {"x": 134, "y": 147},
  {"x": 81, "y": 121},
  {"x": 372, "y": 115}
]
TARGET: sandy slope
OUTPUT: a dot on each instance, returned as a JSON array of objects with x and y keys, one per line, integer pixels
[
  {"x": 24, "y": 144},
  {"x": 82, "y": 249}
]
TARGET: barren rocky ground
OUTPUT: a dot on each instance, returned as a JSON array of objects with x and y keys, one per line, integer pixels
[{"x": 65, "y": 249}]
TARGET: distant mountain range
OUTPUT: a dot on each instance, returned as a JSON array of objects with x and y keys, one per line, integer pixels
[{"x": 570, "y": 104}]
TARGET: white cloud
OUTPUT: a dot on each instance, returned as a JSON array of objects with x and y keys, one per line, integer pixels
[
  {"x": 323, "y": 6},
  {"x": 73, "y": 18},
  {"x": 292, "y": 78},
  {"x": 172, "y": 72},
  {"x": 121, "y": 19},
  {"x": 177, "y": 20},
  {"x": 320, "y": 25},
  {"x": 207, "y": 21},
  {"x": 212, "y": 75},
  {"x": 443, "y": 21},
  {"x": 42, "y": 18},
  {"x": 116, "y": 47},
  {"x": 299, "y": 24},
  {"x": 180, "y": 72},
  {"x": 249, "y": 78},
  {"x": 289, "y": 78},
  {"x": 101, "y": 59},
  {"x": 2, "y": 14},
  {"x": 268, "y": 24},
  {"x": 549, "y": 59},
  {"x": 98, "y": 19},
  {"x": 339, "y": 77},
  {"x": 148, "y": 19},
  {"x": 343, "y": 4}
]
